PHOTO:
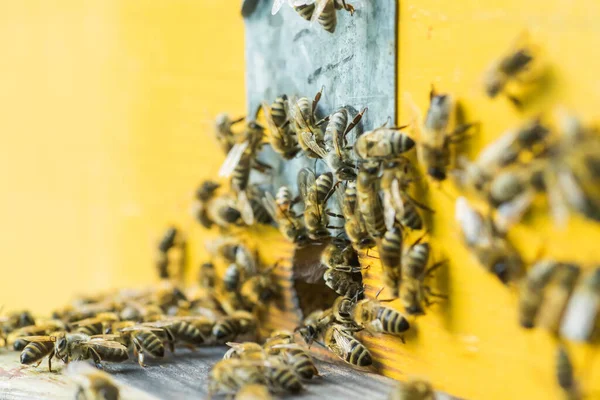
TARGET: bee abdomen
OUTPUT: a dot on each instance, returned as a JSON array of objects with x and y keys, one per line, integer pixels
[
  {"x": 241, "y": 174},
  {"x": 286, "y": 378},
  {"x": 358, "y": 354},
  {"x": 411, "y": 217},
  {"x": 261, "y": 215},
  {"x": 225, "y": 330},
  {"x": 112, "y": 354},
  {"x": 391, "y": 248},
  {"x": 151, "y": 343},
  {"x": 401, "y": 143},
  {"x": 305, "y": 10},
  {"x": 324, "y": 184},
  {"x": 328, "y": 18},
  {"x": 304, "y": 367},
  {"x": 417, "y": 259},
  {"x": 187, "y": 332},
  {"x": 90, "y": 330},
  {"x": 392, "y": 321},
  {"x": 278, "y": 113},
  {"x": 35, "y": 351},
  {"x": 337, "y": 123}
]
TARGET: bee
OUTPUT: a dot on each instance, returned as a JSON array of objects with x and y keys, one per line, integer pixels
[
  {"x": 507, "y": 69},
  {"x": 228, "y": 328},
  {"x": 340, "y": 257},
  {"x": 310, "y": 136},
  {"x": 144, "y": 340},
  {"x": 207, "y": 275},
  {"x": 338, "y": 157},
  {"x": 383, "y": 143},
  {"x": 96, "y": 325},
  {"x": 374, "y": 317},
  {"x": 315, "y": 192},
  {"x": 398, "y": 205},
  {"x": 314, "y": 325},
  {"x": 245, "y": 351},
  {"x": 258, "y": 290},
  {"x": 580, "y": 317},
  {"x": 91, "y": 383},
  {"x": 343, "y": 283},
  {"x": 564, "y": 374},
  {"x": 232, "y": 278},
  {"x": 221, "y": 210},
  {"x": 556, "y": 296},
  {"x": 435, "y": 137},
  {"x": 223, "y": 247},
  {"x": 281, "y": 343},
  {"x": 207, "y": 190},
  {"x": 259, "y": 213},
  {"x": 231, "y": 375},
  {"x": 77, "y": 346},
  {"x": 38, "y": 348},
  {"x": 177, "y": 329},
  {"x": 253, "y": 391},
  {"x": 15, "y": 320},
  {"x": 368, "y": 201},
  {"x": 290, "y": 224},
  {"x": 532, "y": 291},
  {"x": 390, "y": 256},
  {"x": 340, "y": 341},
  {"x": 415, "y": 389},
  {"x": 323, "y": 11},
  {"x": 168, "y": 240},
  {"x": 282, "y": 377},
  {"x": 343, "y": 308},
  {"x": 281, "y": 134},
  {"x": 493, "y": 251},
  {"x": 354, "y": 225},
  {"x": 15, "y": 338},
  {"x": 225, "y": 135}
]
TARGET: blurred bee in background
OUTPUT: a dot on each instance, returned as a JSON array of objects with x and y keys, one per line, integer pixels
[
  {"x": 390, "y": 256},
  {"x": 207, "y": 276},
  {"x": 92, "y": 384},
  {"x": 223, "y": 131},
  {"x": 383, "y": 143},
  {"x": 258, "y": 290},
  {"x": 343, "y": 344},
  {"x": 290, "y": 224},
  {"x": 434, "y": 135},
  {"x": 310, "y": 136},
  {"x": 282, "y": 136},
  {"x": 14, "y": 321},
  {"x": 259, "y": 212},
  {"x": 245, "y": 351},
  {"x": 221, "y": 210},
  {"x": 376, "y": 318},
  {"x": 323, "y": 11},
  {"x": 556, "y": 296},
  {"x": 230, "y": 327},
  {"x": 315, "y": 191},
  {"x": 230, "y": 375},
  {"x": 143, "y": 339},
  {"x": 41, "y": 328},
  {"x": 565, "y": 376},
  {"x": 173, "y": 238},
  {"x": 253, "y": 391},
  {"x": 415, "y": 389},
  {"x": 354, "y": 225},
  {"x": 282, "y": 377},
  {"x": 368, "y": 201},
  {"x": 493, "y": 251},
  {"x": 224, "y": 248},
  {"x": 338, "y": 156},
  {"x": 581, "y": 314},
  {"x": 532, "y": 291}
]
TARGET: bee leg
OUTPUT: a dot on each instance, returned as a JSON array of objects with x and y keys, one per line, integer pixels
[
  {"x": 96, "y": 358},
  {"x": 237, "y": 121},
  {"x": 50, "y": 362},
  {"x": 334, "y": 227},
  {"x": 358, "y": 116},
  {"x": 316, "y": 100},
  {"x": 348, "y": 7},
  {"x": 326, "y": 119},
  {"x": 435, "y": 266},
  {"x": 141, "y": 359},
  {"x": 334, "y": 214}
]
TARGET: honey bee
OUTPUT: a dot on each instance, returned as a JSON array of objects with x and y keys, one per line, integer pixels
[
  {"x": 532, "y": 291},
  {"x": 177, "y": 329},
  {"x": 207, "y": 275},
  {"x": 225, "y": 135},
  {"x": 507, "y": 69},
  {"x": 15, "y": 320},
  {"x": 144, "y": 340},
  {"x": 228, "y": 328},
  {"x": 290, "y": 224},
  {"x": 383, "y": 143},
  {"x": 258, "y": 290},
  {"x": 416, "y": 389},
  {"x": 354, "y": 225},
  {"x": 343, "y": 283},
  {"x": 580, "y": 317},
  {"x": 40, "y": 329},
  {"x": 281, "y": 134},
  {"x": 435, "y": 137},
  {"x": 314, "y": 325},
  {"x": 282, "y": 377},
  {"x": 222, "y": 210},
  {"x": 38, "y": 348},
  {"x": 338, "y": 157},
  {"x": 343, "y": 308},
  {"x": 257, "y": 209},
  {"x": 340, "y": 341},
  {"x": 91, "y": 383},
  {"x": 340, "y": 257},
  {"x": 398, "y": 205},
  {"x": 390, "y": 256},
  {"x": 310, "y": 136},
  {"x": 493, "y": 251},
  {"x": 376, "y": 318},
  {"x": 564, "y": 374},
  {"x": 556, "y": 296},
  {"x": 315, "y": 192},
  {"x": 96, "y": 325},
  {"x": 253, "y": 391},
  {"x": 281, "y": 343},
  {"x": 368, "y": 201},
  {"x": 323, "y": 11},
  {"x": 229, "y": 376},
  {"x": 245, "y": 351}
]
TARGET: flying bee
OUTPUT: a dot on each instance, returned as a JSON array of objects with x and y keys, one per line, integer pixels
[
  {"x": 229, "y": 376},
  {"x": 340, "y": 341},
  {"x": 374, "y": 317},
  {"x": 557, "y": 295},
  {"x": 383, "y": 143},
  {"x": 282, "y": 136},
  {"x": 390, "y": 256},
  {"x": 493, "y": 251},
  {"x": 338, "y": 157},
  {"x": 435, "y": 137},
  {"x": 354, "y": 225},
  {"x": 508, "y": 69},
  {"x": 290, "y": 224},
  {"x": 145, "y": 340},
  {"x": 225, "y": 135},
  {"x": 369, "y": 204},
  {"x": 314, "y": 325},
  {"x": 564, "y": 374},
  {"x": 323, "y": 11},
  {"x": 91, "y": 383},
  {"x": 228, "y": 328},
  {"x": 416, "y": 389},
  {"x": 282, "y": 377},
  {"x": 315, "y": 192},
  {"x": 580, "y": 317},
  {"x": 310, "y": 136},
  {"x": 532, "y": 291}
]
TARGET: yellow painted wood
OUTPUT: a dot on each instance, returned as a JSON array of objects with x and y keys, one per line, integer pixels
[{"x": 106, "y": 111}]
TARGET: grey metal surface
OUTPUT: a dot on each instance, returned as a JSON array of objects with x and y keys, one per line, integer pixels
[{"x": 356, "y": 65}]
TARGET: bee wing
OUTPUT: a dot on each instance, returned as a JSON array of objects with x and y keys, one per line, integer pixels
[
  {"x": 269, "y": 203},
  {"x": 321, "y": 4},
  {"x": 108, "y": 336},
  {"x": 277, "y": 4},
  {"x": 558, "y": 204},
  {"x": 308, "y": 139},
  {"x": 272, "y": 127},
  {"x": 232, "y": 159},
  {"x": 157, "y": 324},
  {"x": 306, "y": 179},
  {"x": 343, "y": 342},
  {"x": 571, "y": 189},
  {"x": 108, "y": 344},
  {"x": 489, "y": 156},
  {"x": 243, "y": 205},
  {"x": 37, "y": 338},
  {"x": 310, "y": 273},
  {"x": 580, "y": 315},
  {"x": 470, "y": 222},
  {"x": 512, "y": 212}
]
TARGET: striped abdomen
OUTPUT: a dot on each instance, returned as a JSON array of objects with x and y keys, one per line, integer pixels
[
  {"x": 342, "y": 283},
  {"x": 390, "y": 250},
  {"x": 303, "y": 364},
  {"x": 338, "y": 121},
  {"x": 186, "y": 332},
  {"x": 399, "y": 142},
  {"x": 304, "y": 116},
  {"x": 226, "y": 329},
  {"x": 358, "y": 354},
  {"x": 241, "y": 173},
  {"x": 328, "y": 17},
  {"x": 278, "y": 112},
  {"x": 35, "y": 351},
  {"x": 411, "y": 217},
  {"x": 283, "y": 198},
  {"x": 149, "y": 342},
  {"x": 111, "y": 354},
  {"x": 323, "y": 185},
  {"x": 416, "y": 261},
  {"x": 392, "y": 321},
  {"x": 305, "y": 10},
  {"x": 91, "y": 329},
  {"x": 231, "y": 278},
  {"x": 369, "y": 204},
  {"x": 349, "y": 200},
  {"x": 285, "y": 378},
  {"x": 261, "y": 215}
]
